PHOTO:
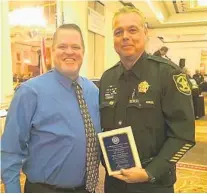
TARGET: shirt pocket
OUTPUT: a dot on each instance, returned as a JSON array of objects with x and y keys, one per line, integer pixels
[
  {"x": 142, "y": 110},
  {"x": 146, "y": 102},
  {"x": 107, "y": 110}
]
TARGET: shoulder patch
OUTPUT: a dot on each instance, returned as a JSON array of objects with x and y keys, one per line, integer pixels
[
  {"x": 162, "y": 60},
  {"x": 181, "y": 84}
]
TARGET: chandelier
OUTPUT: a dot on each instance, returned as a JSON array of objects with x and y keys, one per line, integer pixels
[{"x": 28, "y": 16}]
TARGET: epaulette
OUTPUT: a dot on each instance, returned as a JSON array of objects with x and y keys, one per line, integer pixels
[
  {"x": 116, "y": 65},
  {"x": 162, "y": 60}
]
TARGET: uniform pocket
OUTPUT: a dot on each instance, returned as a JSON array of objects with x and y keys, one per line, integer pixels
[
  {"x": 141, "y": 120},
  {"x": 147, "y": 103},
  {"x": 141, "y": 112},
  {"x": 107, "y": 110}
]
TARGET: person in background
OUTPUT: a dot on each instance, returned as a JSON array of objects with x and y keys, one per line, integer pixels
[
  {"x": 182, "y": 63},
  {"x": 161, "y": 52},
  {"x": 198, "y": 77},
  {"x": 151, "y": 95},
  {"x": 187, "y": 72},
  {"x": 52, "y": 125}
]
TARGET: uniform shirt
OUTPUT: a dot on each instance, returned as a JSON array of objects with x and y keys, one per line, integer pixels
[
  {"x": 45, "y": 132},
  {"x": 153, "y": 98}
]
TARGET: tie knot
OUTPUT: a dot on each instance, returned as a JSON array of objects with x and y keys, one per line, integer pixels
[
  {"x": 75, "y": 83},
  {"x": 76, "y": 86}
]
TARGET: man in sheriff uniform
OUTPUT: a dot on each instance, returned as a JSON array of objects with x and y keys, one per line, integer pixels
[{"x": 151, "y": 95}]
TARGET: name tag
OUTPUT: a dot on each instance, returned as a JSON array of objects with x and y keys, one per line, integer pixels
[
  {"x": 149, "y": 102},
  {"x": 109, "y": 96},
  {"x": 132, "y": 101}
]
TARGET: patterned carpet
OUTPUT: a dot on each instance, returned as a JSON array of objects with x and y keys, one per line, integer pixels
[
  {"x": 191, "y": 181},
  {"x": 191, "y": 170}
]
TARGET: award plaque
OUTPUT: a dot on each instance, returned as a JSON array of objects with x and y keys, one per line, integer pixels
[{"x": 119, "y": 150}]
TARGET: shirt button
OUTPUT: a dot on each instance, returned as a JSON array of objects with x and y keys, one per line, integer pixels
[{"x": 120, "y": 122}]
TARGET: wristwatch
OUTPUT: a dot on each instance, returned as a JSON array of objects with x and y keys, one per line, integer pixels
[{"x": 151, "y": 178}]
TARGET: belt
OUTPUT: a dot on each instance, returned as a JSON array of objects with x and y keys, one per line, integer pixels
[
  {"x": 59, "y": 189},
  {"x": 72, "y": 189}
]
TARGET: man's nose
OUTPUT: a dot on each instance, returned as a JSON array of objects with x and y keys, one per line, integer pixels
[
  {"x": 69, "y": 50},
  {"x": 125, "y": 35}
]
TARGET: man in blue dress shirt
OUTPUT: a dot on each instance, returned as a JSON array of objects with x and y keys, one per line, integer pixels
[{"x": 44, "y": 133}]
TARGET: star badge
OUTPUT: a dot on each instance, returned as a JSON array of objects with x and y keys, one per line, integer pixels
[{"x": 143, "y": 87}]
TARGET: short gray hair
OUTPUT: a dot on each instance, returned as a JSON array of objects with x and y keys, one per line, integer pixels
[{"x": 129, "y": 9}]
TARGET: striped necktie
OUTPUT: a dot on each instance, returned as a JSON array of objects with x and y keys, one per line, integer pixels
[{"x": 92, "y": 146}]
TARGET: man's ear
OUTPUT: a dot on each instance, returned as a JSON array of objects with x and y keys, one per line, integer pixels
[
  {"x": 146, "y": 34},
  {"x": 145, "y": 30}
]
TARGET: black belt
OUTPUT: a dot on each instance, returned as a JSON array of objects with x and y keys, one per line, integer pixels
[
  {"x": 59, "y": 189},
  {"x": 73, "y": 189}
]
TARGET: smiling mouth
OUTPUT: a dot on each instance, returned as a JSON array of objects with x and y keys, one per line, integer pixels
[
  {"x": 126, "y": 46},
  {"x": 69, "y": 60}
]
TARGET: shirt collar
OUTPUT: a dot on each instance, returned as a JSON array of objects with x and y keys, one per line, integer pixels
[
  {"x": 139, "y": 65},
  {"x": 66, "y": 81},
  {"x": 136, "y": 69}
]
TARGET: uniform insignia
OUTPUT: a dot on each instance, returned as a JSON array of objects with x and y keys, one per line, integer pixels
[
  {"x": 108, "y": 96},
  {"x": 189, "y": 145},
  {"x": 110, "y": 93},
  {"x": 186, "y": 147},
  {"x": 133, "y": 94},
  {"x": 173, "y": 160},
  {"x": 132, "y": 101},
  {"x": 149, "y": 102},
  {"x": 182, "y": 84},
  {"x": 181, "y": 153},
  {"x": 111, "y": 102},
  {"x": 176, "y": 158},
  {"x": 143, "y": 87},
  {"x": 183, "y": 150},
  {"x": 178, "y": 155}
]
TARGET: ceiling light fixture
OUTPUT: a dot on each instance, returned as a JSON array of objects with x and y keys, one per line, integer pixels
[
  {"x": 201, "y": 3},
  {"x": 158, "y": 14},
  {"x": 28, "y": 16}
]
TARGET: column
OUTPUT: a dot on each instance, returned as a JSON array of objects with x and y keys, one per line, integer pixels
[{"x": 6, "y": 75}]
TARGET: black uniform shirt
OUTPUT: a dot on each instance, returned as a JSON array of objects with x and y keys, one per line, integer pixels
[{"x": 154, "y": 98}]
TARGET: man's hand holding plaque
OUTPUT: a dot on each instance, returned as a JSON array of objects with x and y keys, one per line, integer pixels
[
  {"x": 133, "y": 175},
  {"x": 121, "y": 155}
]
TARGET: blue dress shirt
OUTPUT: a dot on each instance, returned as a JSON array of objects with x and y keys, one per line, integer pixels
[{"x": 44, "y": 132}]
